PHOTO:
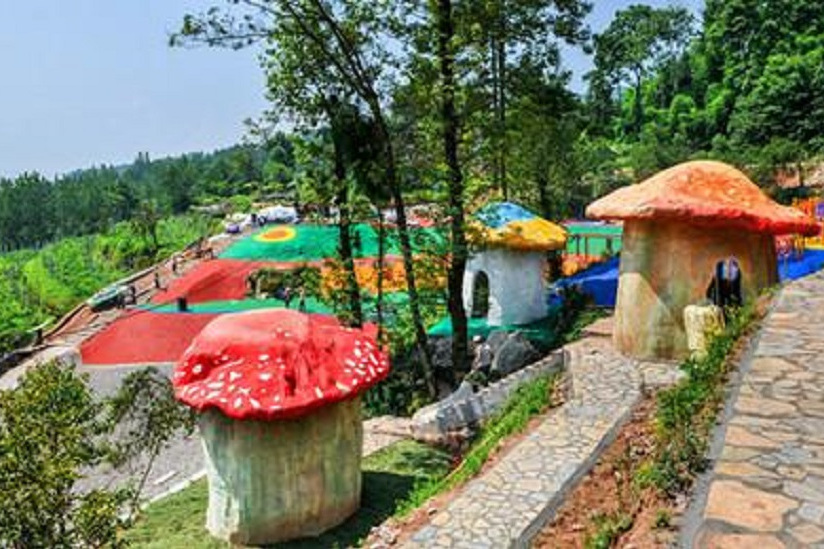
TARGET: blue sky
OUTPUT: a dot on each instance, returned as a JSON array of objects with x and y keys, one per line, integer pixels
[{"x": 86, "y": 82}]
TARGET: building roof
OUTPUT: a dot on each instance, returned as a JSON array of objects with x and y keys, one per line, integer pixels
[
  {"x": 508, "y": 225},
  {"x": 703, "y": 193}
]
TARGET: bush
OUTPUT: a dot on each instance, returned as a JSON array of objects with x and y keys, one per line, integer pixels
[
  {"x": 52, "y": 430},
  {"x": 686, "y": 412}
]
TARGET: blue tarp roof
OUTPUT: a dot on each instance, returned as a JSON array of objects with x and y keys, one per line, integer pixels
[{"x": 601, "y": 280}]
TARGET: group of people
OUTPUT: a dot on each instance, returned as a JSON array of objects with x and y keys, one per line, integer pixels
[{"x": 286, "y": 294}]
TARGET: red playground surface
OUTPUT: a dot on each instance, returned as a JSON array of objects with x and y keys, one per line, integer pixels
[
  {"x": 219, "y": 279},
  {"x": 143, "y": 337}
]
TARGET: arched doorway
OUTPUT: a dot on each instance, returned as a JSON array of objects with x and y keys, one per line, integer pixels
[
  {"x": 725, "y": 288},
  {"x": 480, "y": 295}
]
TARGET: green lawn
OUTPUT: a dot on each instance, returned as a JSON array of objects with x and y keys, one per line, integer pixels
[
  {"x": 389, "y": 478},
  {"x": 396, "y": 480}
]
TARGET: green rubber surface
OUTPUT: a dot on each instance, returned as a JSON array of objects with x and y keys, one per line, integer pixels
[
  {"x": 597, "y": 245},
  {"x": 320, "y": 242}
]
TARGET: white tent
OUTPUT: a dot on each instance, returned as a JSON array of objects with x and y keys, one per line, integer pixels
[{"x": 279, "y": 214}]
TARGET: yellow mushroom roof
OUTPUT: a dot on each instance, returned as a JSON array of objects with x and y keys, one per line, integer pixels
[{"x": 508, "y": 225}]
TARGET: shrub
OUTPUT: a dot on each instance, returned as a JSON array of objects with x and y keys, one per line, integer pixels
[
  {"x": 686, "y": 412},
  {"x": 52, "y": 430}
]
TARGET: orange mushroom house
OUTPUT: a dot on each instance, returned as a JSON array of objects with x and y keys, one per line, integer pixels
[{"x": 683, "y": 228}]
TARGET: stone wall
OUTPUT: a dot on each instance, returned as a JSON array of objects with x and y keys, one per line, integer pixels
[{"x": 464, "y": 407}]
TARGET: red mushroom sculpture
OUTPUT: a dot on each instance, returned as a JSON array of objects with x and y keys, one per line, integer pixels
[
  {"x": 281, "y": 421},
  {"x": 678, "y": 226}
]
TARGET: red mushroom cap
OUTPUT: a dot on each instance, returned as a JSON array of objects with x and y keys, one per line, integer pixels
[
  {"x": 704, "y": 193},
  {"x": 276, "y": 364}
]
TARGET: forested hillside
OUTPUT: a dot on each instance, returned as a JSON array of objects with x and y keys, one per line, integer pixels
[
  {"x": 742, "y": 85},
  {"x": 35, "y": 211},
  {"x": 41, "y": 285}
]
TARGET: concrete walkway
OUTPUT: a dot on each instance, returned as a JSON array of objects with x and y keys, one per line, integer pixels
[
  {"x": 766, "y": 488},
  {"x": 509, "y": 503}
]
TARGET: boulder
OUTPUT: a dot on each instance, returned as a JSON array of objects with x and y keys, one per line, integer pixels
[
  {"x": 702, "y": 322},
  {"x": 515, "y": 353}
]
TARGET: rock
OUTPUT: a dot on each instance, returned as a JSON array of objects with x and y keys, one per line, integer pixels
[
  {"x": 740, "y": 505},
  {"x": 514, "y": 354},
  {"x": 463, "y": 392},
  {"x": 496, "y": 340},
  {"x": 701, "y": 323},
  {"x": 441, "y": 349}
]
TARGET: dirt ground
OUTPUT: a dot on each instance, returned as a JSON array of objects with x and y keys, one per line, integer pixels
[
  {"x": 607, "y": 493},
  {"x": 640, "y": 518}
]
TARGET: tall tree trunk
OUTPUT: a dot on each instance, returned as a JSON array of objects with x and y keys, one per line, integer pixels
[
  {"x": 394, "y": 185},
  {"x": 502, "y": 144},
  {"x": 345, "y": 232},
  {"x": 381, "y": 264},
  {"x": 449, "y": 120},
  {"x": 496, "y": 108},
  {"x": 543, "y": 192},
  {"x": 638, "y": 107}
]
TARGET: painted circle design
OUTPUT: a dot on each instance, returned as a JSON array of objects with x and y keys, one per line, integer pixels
[{"x": 281, "y": 233}]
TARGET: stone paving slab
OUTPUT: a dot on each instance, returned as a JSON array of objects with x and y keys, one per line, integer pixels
[
  {"x": 510, "y": 502},
  {"x": 766, "y": 488}
]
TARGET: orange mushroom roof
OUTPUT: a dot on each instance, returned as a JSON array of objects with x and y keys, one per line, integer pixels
[{"x": 704, "y": 193}]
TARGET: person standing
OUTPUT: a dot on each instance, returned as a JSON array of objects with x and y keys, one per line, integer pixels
[{"x": 302, "y": 299}]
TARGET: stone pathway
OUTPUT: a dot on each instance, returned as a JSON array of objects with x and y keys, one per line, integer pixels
[
  {"x": 766, "y": 488},
  {"x": 510, "y": 502}
]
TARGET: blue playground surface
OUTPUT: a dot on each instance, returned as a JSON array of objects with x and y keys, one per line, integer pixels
[{"x": 601, "y": 280}]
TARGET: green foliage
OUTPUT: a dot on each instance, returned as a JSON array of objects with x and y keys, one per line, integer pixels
[
  {"x": 608, "y": 528},
  {"x": 686, "y": 412},
  {"x": 745, "y": 90},
  {"x": 663, "y": 519},
  {"x": 35, "y": 211},
  {"x": 52, "y": 432},
  {"x": 43, "y": 285}
]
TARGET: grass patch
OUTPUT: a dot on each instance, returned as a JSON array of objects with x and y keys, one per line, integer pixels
[
  {"x": 686, "y": 413},
  {"x": 527, "y": 402},
  {"x": 389, "y": 476},
  {"x": 608, "y": 530}
]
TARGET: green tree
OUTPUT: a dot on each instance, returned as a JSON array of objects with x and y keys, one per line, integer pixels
[
  {"x": 53, "y": 430},
  {"x": 639, "y": 40},
  {"x": 347, "y": 41}
]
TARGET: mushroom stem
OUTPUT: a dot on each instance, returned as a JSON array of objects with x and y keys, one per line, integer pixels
[{"x": 271, "y": 481}]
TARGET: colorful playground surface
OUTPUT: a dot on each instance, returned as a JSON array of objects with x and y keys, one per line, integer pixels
[
  {"x": 307, "y": 243},
  {"x": 160, "y": 332}
]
